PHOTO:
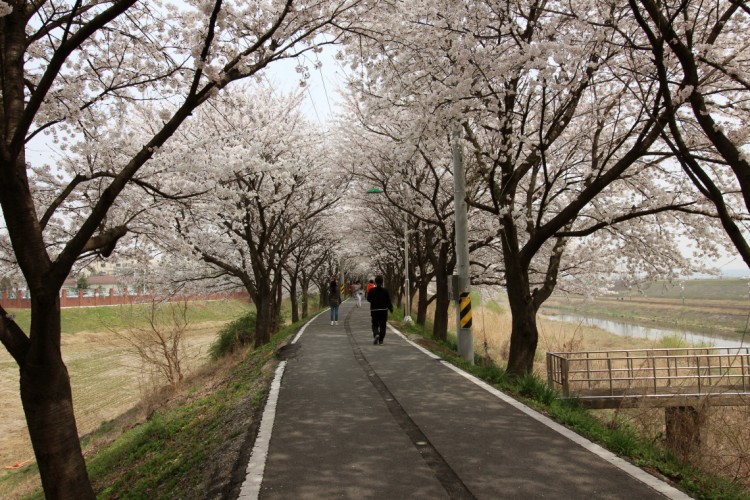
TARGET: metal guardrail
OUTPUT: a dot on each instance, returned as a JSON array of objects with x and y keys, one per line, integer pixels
[{"x": 667, "y": 377}]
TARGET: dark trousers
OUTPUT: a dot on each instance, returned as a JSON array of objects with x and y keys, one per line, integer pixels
[{"x": 379, "y": 320}]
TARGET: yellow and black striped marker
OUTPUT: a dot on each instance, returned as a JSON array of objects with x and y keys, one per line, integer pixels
[
  {"x": 465, "y": 310},
  {"x": 342, "y": 288}
]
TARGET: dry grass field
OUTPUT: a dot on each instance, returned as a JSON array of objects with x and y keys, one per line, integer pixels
[
  {"x": 492, "y": 326},
  {"x": 107, "y": 380}
]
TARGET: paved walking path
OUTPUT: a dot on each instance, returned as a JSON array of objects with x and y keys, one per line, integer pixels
[{"x": 349, "y": 419}]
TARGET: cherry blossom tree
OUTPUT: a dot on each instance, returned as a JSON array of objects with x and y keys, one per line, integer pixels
[
  {"x": 71, "y": 70},
  {"x": 562, "y": 133},
  {"x": 266, "y": 178},
  {"x": 384, "y": 228},
  {"x": 304, "y": 261},
  {"x": 414, "y": 180},
  {"x": 326, "y": 271},
  {"x": 698, "y": 49}
]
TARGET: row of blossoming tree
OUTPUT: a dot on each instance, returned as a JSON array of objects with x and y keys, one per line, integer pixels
[{"x": 599, "y": 136}]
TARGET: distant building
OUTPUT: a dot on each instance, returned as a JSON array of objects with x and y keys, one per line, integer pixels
[
  {"x": 102, "y": 283},
  {"x": 112, "y": 267}
]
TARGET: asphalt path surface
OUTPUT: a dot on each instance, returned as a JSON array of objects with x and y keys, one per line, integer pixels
[{"x": 349, "y": 419}]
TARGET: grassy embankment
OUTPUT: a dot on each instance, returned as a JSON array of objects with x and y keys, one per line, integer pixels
[
  {"x": 721, "y": 471},
  {"x": 108, "y": 379}
]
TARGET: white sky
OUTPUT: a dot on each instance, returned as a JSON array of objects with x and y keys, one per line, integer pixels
[
  {"x": 322, "y": 87},
  {"x": 320, "y": 102},
  {"x": 733, "y": 266},
  {"x": 321, "y": 95}
]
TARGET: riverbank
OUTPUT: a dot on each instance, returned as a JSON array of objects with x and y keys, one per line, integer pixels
[
  {"x": 713, "y": 317},
  {"x": 652, "y": 333}
]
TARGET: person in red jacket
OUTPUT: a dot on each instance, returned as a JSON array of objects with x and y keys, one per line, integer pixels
[
  {"x": 380, "y": 304},
  {"x": 370, "y": 286}
]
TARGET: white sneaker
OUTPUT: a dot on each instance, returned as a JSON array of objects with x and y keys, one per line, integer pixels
[
  {"x": 331, "y": 323},
  {"x": 337, "y": 323}
]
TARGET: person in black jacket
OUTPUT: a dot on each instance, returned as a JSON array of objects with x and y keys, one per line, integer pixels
[
  {"x": 380, "y": 304},
  {"x": 334, "y": 300}
]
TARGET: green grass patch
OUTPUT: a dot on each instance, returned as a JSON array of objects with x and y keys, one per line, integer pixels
[
  {"x": 22, "y": 317},
  {"x": 95, "y": 319},
  {"x": 236, "y": 334},
  {"x": 397, "y": 314},
  {"x": 489, "y": 304},
  {"x": 710, "y": 289},
  {"x": 22, "y": 476},
  {"x": 535, "y": 388},
  {"x": 672, "y": 342},
  {"x": 158, "y": 459},
  {"x": 494, "y": 307}
]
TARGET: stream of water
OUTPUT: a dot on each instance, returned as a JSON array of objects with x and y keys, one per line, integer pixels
[{"x": 637, "y": 331}]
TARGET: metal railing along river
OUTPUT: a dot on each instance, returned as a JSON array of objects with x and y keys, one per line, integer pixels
[{"x": 653, "y": 377}]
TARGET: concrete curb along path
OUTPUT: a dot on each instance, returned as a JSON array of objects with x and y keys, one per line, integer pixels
[
  {"x": 257, "y": 463},
  {"x": 356, "y": 420},
  {"x": 657, "y": 484}
]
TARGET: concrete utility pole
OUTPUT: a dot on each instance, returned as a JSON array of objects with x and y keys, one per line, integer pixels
[
  {"x": 463, "y": 302},
  {"x": 342, "y": 287},
  {"x": 407, "y": 307}
]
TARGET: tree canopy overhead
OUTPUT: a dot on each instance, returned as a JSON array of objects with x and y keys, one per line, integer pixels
[
  {"x": 564, "y": 123},
  {"x": 598, "y": 136}
]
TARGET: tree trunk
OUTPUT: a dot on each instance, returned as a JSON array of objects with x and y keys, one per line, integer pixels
[
  {"x": 323, "y": 297},
  {"x": 422, "y": 273},
  {"x": 524, "y": 334},
  {"x": 305, "y": 285},
  {"x": 264, "y": 320},
  {"x": 422, "y": 303},
  {"x": 48, "y": 405},
  {"x": 293, "y": 298},
  {"x": 442, "y": 302},
  {"x": 277, "y": 322},
  {"x": 265, "y": 310}
]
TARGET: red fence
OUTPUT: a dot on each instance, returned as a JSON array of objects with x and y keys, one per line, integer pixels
[{"x": 110, "y": 299}]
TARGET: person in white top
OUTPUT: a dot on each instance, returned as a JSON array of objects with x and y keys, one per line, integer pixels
[{"x": 358, "y": 293}]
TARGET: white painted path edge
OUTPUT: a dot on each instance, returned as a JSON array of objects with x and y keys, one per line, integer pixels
[{"x": 257, "y": 464}]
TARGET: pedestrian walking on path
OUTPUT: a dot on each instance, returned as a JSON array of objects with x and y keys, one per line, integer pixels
[
  {"x": 334, "y": 300},
  {"x": 380, "y": 304}
]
